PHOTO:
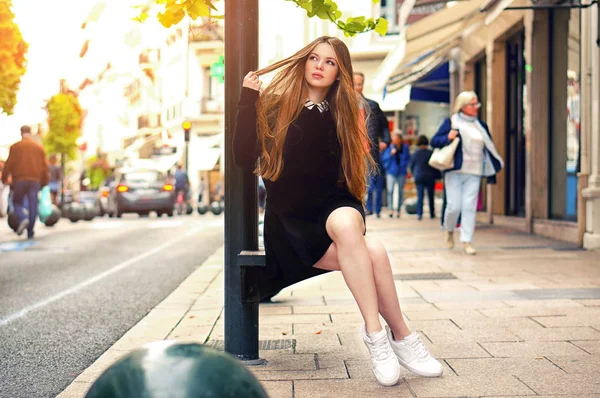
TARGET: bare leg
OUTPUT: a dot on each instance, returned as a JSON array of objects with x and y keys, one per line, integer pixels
[
  {"x": 387, "y": 297},
  {"x": 345, "y": 226}
]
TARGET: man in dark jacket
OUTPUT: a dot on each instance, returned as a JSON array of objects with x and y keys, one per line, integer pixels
[
  {"x": 28, "y": 167},
  {"x": 379, "y": 135}
]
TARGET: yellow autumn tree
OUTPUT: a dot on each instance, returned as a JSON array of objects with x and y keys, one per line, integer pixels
[
  {"x": 64, "y": 125},
  {"x": 12, "y": 58},
  {"x": 173, "y": 11}
]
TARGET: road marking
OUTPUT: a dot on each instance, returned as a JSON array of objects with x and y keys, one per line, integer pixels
[{"x": 20, "y": 314}]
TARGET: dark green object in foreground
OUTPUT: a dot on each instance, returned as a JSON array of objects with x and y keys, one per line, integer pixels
[{"x": 176, "y": 370}]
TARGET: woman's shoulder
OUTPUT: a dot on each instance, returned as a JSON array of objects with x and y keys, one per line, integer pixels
[{"x": 445, "y": 126}]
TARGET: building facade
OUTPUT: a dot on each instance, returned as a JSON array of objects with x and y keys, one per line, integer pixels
[{"x": 535, "y": 69}]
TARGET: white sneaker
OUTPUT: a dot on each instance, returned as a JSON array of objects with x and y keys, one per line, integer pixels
[
  {"x": 468, "y": 249},
  {"x": 414, "y": 356},
  {"x": 385, "y": 364},
  {"x": 450, "y": 239}
]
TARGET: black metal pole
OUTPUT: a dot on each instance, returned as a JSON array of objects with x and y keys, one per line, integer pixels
[
  {"x": 62, "y": 180},
  {"x": 241, "y": 214},
  {"x": 187, "y": 157}
]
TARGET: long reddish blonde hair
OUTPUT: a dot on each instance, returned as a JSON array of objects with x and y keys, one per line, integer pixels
[{"x": 281, "y": 103}]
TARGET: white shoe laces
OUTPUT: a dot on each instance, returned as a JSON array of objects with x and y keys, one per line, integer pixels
[
  {"x": 380, "y": 350},
  {"x": 418, "y": 348}
]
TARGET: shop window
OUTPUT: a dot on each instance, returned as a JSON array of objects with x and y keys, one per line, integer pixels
[
  {"x": 515, "y": 131},
  {"x": 565, "y": 116},
  {"x": 480, "y": 71}
]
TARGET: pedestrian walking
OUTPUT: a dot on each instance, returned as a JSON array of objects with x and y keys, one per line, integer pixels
[
  {"x": 475, "y": 157},
  {"x": 424, "y": 176},
  {"x": 379, "y": 138},
  {"x": 28, "y": 167},
  {"x": 182, "y": 182},
  {"x": 4, "y": 192},
  {"x": 201, "y": 190},
  {"x": 306, "y": 130},
  {"x": 395, "y": 159},
  {"x": 56, "y": 178}
]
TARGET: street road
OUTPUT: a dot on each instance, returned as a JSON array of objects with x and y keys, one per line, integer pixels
[{"x": 66, "y": 297}]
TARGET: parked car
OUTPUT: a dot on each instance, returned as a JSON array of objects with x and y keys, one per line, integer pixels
[{"x": 140, "y": 191}]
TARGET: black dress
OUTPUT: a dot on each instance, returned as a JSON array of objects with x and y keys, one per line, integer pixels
[{"x": 298, "y": 204}]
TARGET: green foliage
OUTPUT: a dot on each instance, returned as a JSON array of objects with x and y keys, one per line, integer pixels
[
  {"x": 328, "y": 10},
  {"x": 12, "y": 58},
  {"x": 64, "y": 124},
  {"x": 173, "y": 11}
]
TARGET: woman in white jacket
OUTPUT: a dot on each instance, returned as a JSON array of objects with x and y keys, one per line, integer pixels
[{"x": 475, "y": 157}]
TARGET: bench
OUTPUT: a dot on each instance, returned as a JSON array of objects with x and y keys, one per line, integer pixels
[
  {"x": 251, "y": 258},
  {"x": 249, "y": 262}
]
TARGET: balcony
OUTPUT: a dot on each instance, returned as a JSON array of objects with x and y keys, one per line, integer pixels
[{"x": 149, "y": 121}]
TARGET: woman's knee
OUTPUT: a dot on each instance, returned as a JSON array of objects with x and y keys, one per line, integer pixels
[
  {"x": 345, "y": 225},
  {"x": 377, "y": 251}
]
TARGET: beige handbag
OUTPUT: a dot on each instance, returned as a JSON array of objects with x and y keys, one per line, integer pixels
[{"x": 443, "y": 158}]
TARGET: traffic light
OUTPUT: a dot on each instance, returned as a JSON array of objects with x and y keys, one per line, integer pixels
[{"x": 187, "y": 125}]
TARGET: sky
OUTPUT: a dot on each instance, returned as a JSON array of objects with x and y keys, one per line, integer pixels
[{"x": 51, "y": 30}]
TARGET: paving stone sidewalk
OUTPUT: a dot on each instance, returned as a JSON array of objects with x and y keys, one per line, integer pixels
[{"x": 521, "y": 318}]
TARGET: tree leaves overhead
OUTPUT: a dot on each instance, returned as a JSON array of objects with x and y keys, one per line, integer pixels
[
  {"x": 12, "y": 58},
  {"x": 173, "y": 11},
  {"x": 64, "y": 124},
  {"x": 328, "y": 10}
]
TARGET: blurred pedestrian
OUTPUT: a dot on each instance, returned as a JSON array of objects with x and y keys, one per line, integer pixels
[
  {"x": 28, "y": 167},
  {"x": 424, "y": 176},
  {"x": 379, "y": 138},
  {"x": 475, "y": 157},
  {"x": 201, "y": 190},
  {"x": 4, "y": 192},
  {"x": 219, "y": 192},
  {"x": 182, "y": 182},
  {"x": 305, "y": 128},
  {"x": 395, "y": 160},
  {"x": 56, "y": 178},
  {"x": 98, "y": 171}
]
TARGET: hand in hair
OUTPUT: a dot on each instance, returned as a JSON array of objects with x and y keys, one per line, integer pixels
[{"x": 252, "y": 81}]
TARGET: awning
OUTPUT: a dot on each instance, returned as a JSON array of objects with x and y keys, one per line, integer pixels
[
  {"x": 209, "y": 159},
  {"x": 205, "y": 152},
  {"x": 428, "y": 43},
  {"x": 395, "y": 101},
  {"x": 496, "y": 23},
  {"x": 427, "y": 74},
  {"x": 419, "y": 39},
  {"x": 434, "y": 86}
]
